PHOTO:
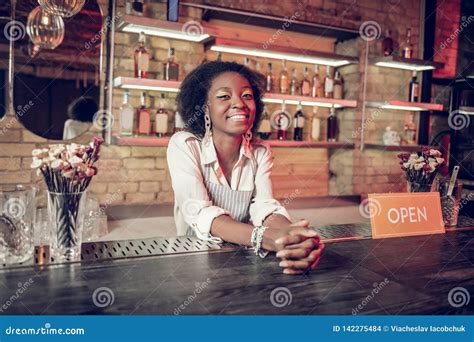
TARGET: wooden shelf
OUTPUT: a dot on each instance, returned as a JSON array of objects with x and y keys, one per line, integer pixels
[
  {"x": 401, "y": 148},
  {"x": 405, "y": 105},
  {"x": 155, "y": 141},
  {"x": 406, "y": 63},
  {"x": 173, "y": 86}
]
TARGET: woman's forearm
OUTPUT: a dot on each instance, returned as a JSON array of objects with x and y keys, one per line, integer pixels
[{"x": 276, "y": 221}]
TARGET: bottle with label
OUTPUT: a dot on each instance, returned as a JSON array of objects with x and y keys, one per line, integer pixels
[
  {"x": 293, "y": 83},
  {"x": 315, "y": 125},
  {"x": 179, "y": 124},
  {"x": 284, "y": 79},
  {"x": 298, "y": 124},
  {"x": 161, "y": 118},
  {"x": 338, "y": 86},
  {"x": 332, "y": 126},
  {"x": 390, "y": 137},
  {"x": 269, "y": 79},
  {"x": 409, "y": 131},
  {"x": 407, "y": 47},
  {"x": 328, "y": 84},
  {"x": 171, "y": 68},
  {"x": 265, "y": 129},
  {"x": 247, "y": 62},
  {"x": 141, "y": 58},
  {"x": 305, "y": 85},
  {"x": 317, "y": 89},
  {"x": 126, "y": 116},
  {"x": 144, "y": 116},
  {"x": 387, "y": 44},
  {"x": 414, "y": 90}
]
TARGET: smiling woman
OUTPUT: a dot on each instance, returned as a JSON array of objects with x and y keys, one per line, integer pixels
[{"x": 221, "y": 174}]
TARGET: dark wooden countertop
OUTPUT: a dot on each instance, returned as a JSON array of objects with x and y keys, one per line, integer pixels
[{"x": 420, "y": 272}]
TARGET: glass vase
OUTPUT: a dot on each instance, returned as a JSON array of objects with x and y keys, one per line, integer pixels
[{"x": 66, "y": 215}]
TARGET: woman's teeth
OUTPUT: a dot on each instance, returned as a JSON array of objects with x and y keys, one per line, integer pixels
[{"x": 238, "y": 117}]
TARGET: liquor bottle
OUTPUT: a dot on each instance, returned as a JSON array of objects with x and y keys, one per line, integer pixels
[
  {"x": 265, "y": 129},
  {"x": 284, "y": 79},
  {"x": 407, "y": 47},
  {"x": 219, "y": 57},
  {"x": 409, "y": 131},
  {"x": 315, "y": 125},
  {"x": 261, "y": 77},
  {"x": 338, "y": 86},
  {"x": 298, "y": 124},
  {"x": 269, "y": 79},
  {"x": 179, "y": 124},
  {"x": 305, "y": 85},
  {"x": 387, "y": 44},
  {"x": 171, "y": 68},
  {"x": 328, "y": 84},
  {"x": 161, "y": 118},
  {"x": 293, "y": 83},
  {"x": 141, "y": 58},
  {"x": 317, "y": 84},
  {"x": 126, "y": 116},
  {"x": 332, "y": 125},
  {"x": 414, "y": 90},
  {"x": 247, "y": 62},
  {"x": 282, "y": 126},
  {"x": 143, "y": 115}
]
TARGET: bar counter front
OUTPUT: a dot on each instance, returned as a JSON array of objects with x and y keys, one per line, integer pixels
[{"x": 396, "y": 276}]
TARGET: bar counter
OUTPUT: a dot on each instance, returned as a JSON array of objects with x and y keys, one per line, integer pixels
[{"x": 412, "y": 275}]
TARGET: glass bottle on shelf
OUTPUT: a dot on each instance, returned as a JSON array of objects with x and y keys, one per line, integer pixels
[
  {"x": 414, "y": 89},
  {"x": 387, "y": 44},
  {"x": 269, "y": 79},
  {"x": 315, "y": 125},
  {"x": 171, "y": 68},
  {"x": 141, "y": 58},
  {"x": 409, "y": 131},
  {"x": 298, "y": 124},
  {"x": 317, "y": 89},
  {"x": 293, "y": 83},
  {"x": 305, "y": 85},
  {"x": 265, "y": 129},
  {"x": 284, "y": 79},
  {"x": 328, "y": 84},
  {"x": 143, "y": 115},
  {"x": 407, "y": 47},
  {"x": 161, "y": 118},
  {"x": 332, "y": 126},
  {"x": 127, "y": 114},
  {"x": 219, "y": 57},
  {"x": 338, "y": 86},
  {"x": 179, "y": 124}
]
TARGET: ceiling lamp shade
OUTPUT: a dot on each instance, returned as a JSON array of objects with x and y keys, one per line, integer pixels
[
  {"x": 45, "y": 30},
  {"x": 63, "y": 8}
]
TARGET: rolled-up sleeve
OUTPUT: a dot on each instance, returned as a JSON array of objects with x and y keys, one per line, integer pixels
[
  {"x": 263, "y": 204},
  {"x": 191, "y": 198}
]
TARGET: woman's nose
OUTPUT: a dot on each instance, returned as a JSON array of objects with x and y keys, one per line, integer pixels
[{"x": 237, "y": 102}]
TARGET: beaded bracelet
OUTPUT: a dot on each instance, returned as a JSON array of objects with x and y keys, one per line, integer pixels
[{"x": 257, "y": 239}]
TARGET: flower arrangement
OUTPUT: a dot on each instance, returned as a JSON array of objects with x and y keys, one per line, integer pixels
[
  {"x": 67, "y": 171},
  {"x": 421, "y": 168},
  {"x": 67, "y": 168}
]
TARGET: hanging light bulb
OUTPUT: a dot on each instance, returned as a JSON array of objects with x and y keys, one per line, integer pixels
[
  {"x": 45, "y": 30},
  {"x": 64, "y": 8}
]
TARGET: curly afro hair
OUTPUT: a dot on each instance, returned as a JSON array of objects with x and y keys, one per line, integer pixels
[{"x": 194, "y": 89}]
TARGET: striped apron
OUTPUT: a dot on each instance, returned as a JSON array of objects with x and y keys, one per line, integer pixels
[{"x": 234, "y": 201}]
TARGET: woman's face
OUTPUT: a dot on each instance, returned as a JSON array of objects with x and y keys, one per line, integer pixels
[{"x": 231, "y": 104}]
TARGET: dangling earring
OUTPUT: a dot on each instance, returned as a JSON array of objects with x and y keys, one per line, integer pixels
[
  {"x": 207, "y": 124},
  {"x": 248, "y": 135}
]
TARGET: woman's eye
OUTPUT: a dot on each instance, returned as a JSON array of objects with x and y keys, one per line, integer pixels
[
  {"x": 223, "y": 97},
  {"x": 247, "y": 96}
]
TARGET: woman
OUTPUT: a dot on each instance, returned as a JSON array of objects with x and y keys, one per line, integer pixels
[
  {"x": 221, "y": 176},
  {"x": 81, "y": 113}
]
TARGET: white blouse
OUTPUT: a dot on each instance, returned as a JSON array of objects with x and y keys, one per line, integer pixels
[{"x": 193, "y": 208}]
